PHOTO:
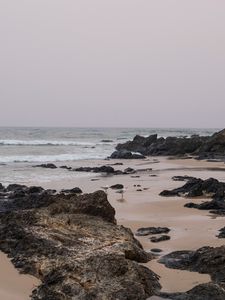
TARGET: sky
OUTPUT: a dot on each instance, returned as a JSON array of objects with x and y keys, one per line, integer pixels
[{"x": 112, "y": 63}]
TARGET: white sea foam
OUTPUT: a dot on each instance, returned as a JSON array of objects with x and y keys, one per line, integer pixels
[
  {"x": 50, "y": 158},
  {"x": 43, "y": 143}
]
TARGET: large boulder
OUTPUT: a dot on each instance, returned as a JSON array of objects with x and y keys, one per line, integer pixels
[{"x": 73, "y": 245}]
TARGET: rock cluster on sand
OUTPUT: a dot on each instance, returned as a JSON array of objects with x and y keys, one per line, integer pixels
[
  {"x": 196, "y": 187},
  {"x": 206, "y": 260},
  {"x": 73, "y": 245},
  {"x": 205, "y": 147}
]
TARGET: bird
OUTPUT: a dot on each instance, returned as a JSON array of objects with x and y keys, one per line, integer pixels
[
  {"x": 105, "y": 188},
  {"x": 121, "y": 191}
]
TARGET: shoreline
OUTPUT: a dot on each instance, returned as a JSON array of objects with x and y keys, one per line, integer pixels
[{"x": 191, "y": 230}]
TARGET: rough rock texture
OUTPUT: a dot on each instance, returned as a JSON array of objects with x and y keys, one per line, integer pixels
[
  {"x": 72, "y": 243},
  {"x": 205, "y": 147},
  {"x": 207, "y": 291},
  {"x": 206, "y": 260},
  {"x": 214, "y": 146},
  {"x": 153, "y": 145}
]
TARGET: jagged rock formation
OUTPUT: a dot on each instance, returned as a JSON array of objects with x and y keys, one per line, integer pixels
[
  {"x": 73, "y": 245},
  {"x": 204, "y": 147},
  {"x": 196, "y": 187}
]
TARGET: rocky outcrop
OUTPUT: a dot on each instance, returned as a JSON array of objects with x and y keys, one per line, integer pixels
[
  {"x": 206, "y": 260},
  {"x": 214, "y": 146},
  {"x": 196, "y": 187},
  {"x": 73, "y": 245},
  {"x": 153, "y": 145},
  {"x": 204, "y": 147}
]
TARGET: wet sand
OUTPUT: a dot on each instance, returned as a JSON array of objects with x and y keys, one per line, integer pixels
[
  {"x": 14, "y": 286},
  {"x": 190, "y": 228}
]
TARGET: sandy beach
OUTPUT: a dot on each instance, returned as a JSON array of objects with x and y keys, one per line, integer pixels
[{"x": 190, "y": 228}]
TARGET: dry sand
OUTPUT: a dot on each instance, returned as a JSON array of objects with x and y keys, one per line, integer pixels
[{"x": 190, "y": 228}]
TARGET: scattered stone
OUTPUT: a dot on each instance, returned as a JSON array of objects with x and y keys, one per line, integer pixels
[
  {"x": 152, "y": 230},
  {"x": 106, "y": 141},
  {"x": 117, "y": 186},
  {"x": 139, "y": 190},
  {"x": 129, "y": 171},
  {"x": 46, "y": 166},
  {"x": 156, "y": 250},
  {"x": 160, "y": 238}
]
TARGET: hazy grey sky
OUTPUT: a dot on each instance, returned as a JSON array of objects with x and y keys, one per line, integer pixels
[{"x": 132, "y": 63}]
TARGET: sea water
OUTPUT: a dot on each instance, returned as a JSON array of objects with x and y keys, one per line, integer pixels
[{"x": 22, "y": 148}]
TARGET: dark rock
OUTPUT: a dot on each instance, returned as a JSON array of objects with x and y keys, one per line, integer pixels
[
  {"x": 34, "y": 189},
  {"x": 152, "y": 230},
  {"x": 206, "y": 260},
  {"x": 139, "y": 190},
  {"x": 124, "y": 154},
  {"x": 106, "y": 141},
  {"x": 222, "y": 233},
  {"x": 15, "y": 187},
  {"x": 75, "y": 190},
  {"x": 66, "y": 167},
  {"x": 182, "y": 178},
  {"x": 206, "y": 291},
  {"x": 161, "y": 238},
  {"x": 1, "y": 187},
  {"x": 129, "y": 171},
  {"x": 117, "y": 186},
  {"x": 207, "y": 205},
  {"x": 197, "y": 187},
  {"x": 156, "y": 250},
  {"x": 102, "y": 169},
  {"x": 73, "y": 245},
  {"x": 153, "y": 145},
  {"x": 47, "y": 166}
]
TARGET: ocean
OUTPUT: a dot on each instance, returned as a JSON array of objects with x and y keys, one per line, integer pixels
[{"x": 21, "y": 148}]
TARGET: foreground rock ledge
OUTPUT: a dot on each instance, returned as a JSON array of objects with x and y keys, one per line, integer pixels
[{"x": 73, "y": 245}]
